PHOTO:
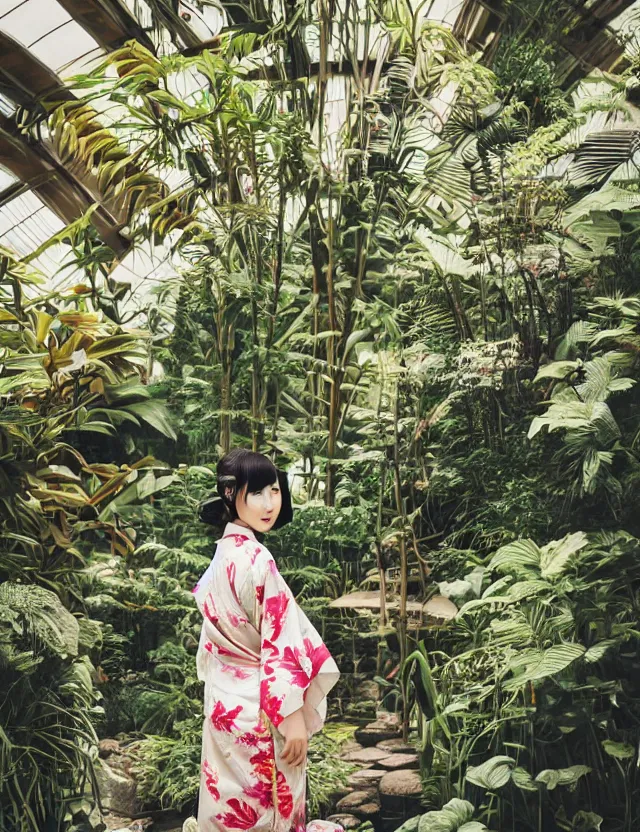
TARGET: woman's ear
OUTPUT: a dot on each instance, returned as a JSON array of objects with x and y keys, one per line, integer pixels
[{"x": 227, "y": 489}]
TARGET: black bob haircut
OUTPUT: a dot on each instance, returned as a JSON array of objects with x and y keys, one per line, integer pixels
[{"x": 236, "y": 469}]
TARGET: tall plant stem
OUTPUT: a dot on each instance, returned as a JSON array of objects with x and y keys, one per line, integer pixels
[{"x": 402, "y": 618}]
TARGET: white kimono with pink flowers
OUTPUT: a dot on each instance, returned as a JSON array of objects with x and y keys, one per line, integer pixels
[{"x": 261, "y": 659}]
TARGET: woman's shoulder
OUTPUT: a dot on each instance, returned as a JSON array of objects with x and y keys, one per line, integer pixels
[{"x": 241, "y": 546}]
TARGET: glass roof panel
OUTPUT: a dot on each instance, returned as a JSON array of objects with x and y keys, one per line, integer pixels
[
  {"x": 7, "y": 107},
  {"x": 26, "y": 223},
  {"x": 64, "y": 46},
  {"x": 6, "y": 178},
  {"x": 8, "y": 5},
  {"x": 33, "y": 19},
  {"x": 444, "y": 11}
]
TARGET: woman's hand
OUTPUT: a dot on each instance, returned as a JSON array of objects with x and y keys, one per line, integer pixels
[{"x": 294, "y": 730}]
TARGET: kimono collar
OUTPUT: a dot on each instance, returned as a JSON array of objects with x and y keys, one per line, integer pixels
[{"x": 236, "y": 528}]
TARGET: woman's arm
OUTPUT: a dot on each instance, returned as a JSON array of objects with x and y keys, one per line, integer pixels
[{"x": 294, "y": 729}]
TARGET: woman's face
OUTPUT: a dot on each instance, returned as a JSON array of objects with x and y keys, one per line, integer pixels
[{"x": 260, "y": 509}]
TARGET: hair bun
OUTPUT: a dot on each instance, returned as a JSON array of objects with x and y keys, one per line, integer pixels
[{"x": 213, "y": 511}]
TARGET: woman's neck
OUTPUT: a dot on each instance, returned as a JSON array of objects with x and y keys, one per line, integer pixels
[{"x": 243, "y": 525}]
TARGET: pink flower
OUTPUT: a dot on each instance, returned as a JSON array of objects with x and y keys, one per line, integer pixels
[
  {"x": 270, "y": 703},
  {"x": 235, "y": 620},
  {"x": 284, "y": 796},
  {"x": 260, "y": 593},
  {"x": 211, "y": 779},
  {"x": 318, "y": 656},
  {"x": 222, "y": 719},
  {"x": 291, "y": 661},
  {"x": 255, "y": 554},
  {"x": 238, "y": 672},
  {"x": 275, "y": 610},
  {"x": 263, "y": 763},
  {"x": 262, "y": 791},
  {"x": 210, "y": 610},
  {"x": 298, "y": 823},
  {"x": 249, "y": 739},
  {"x": 239, "y": 539},
  {"x": 243, "y": 815},
  {"x": 268, "y": 645}
]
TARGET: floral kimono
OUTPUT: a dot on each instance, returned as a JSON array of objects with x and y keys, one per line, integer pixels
[{"x": 261, "y": 659}]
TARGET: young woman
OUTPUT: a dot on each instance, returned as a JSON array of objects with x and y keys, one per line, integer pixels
[{"x": 266, "y": 670}]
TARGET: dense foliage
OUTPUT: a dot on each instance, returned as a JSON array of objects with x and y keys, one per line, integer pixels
[{"x": 430, "y": 317}]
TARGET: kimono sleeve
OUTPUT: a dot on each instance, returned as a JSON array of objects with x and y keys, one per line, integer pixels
[{"x": 296, "y": 668}]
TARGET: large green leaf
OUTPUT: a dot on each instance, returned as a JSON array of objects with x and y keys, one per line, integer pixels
[
  {"x": 601, "y": 153},
  {"x": 534, "y": 665},
  {"x": 522, "y": 556},
  {"x": 562, "y": 776},
  {"x": 556, "y": 554},
  {"x": 155, "y": 414},
  {"x": 453, "y": 817},
  {"x": 619, "y": 750},
  {"x": 492, "y": 774},
  {"x": 557, "y": 369}
]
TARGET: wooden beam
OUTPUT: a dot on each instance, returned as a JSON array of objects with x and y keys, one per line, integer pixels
[
  {"x": 109, "y": 22},
  {"x": 57, "y": 189},
  {"x": 27, "y": 81},
  {"x": 22, "y": 72}
]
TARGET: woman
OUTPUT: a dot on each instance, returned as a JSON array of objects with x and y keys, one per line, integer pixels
[{"x": 266, "y": 670}]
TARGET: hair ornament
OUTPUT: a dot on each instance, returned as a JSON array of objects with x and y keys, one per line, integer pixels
[{"x": 227, "y": 487}]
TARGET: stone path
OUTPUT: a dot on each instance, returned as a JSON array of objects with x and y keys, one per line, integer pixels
[
  {"x": 388, "y": 786},
  {"x": 385, "y": 789}
]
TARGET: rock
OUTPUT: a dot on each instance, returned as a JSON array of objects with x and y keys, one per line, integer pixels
[
  {"x": 377, "y": 731},
  {"x": 367, "y": 690},
  {"x": 141, "y": 825},
  {"x": 117, "y": 790},
  {"x": 352, "y": 802},
  {"x": 115, "y": 823},
  {"x": 400, "y": 792},
  {"x": 108, "y": 747},
  {"x": 345, "y": 821},
  {"x": 365, "y": 755},
  {"x": 349, "y": 746},
  {"x": 365, "y": 778},
  {"x": 367, "y": 810},
  {"x": 396, "y": 746},
  {"x": 403, "y": 782},
  {"x": 385, "y": 727},
  {"x": 388, "y": 718},
  {"x": 340, "y": 791},
  {"x": 396, "y": 761}
]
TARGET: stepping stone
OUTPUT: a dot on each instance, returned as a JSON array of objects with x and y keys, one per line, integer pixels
[
  {"x": 352, "y": 802},
  {"x": 403, "y": 782},
  {"x": 368, "y": 810},
  {"x": 366, "y": 777},
  {"x": 401, "y": 791},
  {"x": 346, "y": 821},
  {"x": 376, "y": 732},
  {"x": 397, "y": 745},
  {"x": 398, "y": 761},
  {"x": 368, "y": 756},
  {"x": 348, "y": 746}
]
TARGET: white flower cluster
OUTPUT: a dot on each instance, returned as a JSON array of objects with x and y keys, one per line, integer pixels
[{"x": 483, "y": 363}]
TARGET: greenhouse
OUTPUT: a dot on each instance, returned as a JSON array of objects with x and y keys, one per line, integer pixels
[{"x": 319, "y": 426}]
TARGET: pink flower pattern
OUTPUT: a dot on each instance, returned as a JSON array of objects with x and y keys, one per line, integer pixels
[{"x": 254, "y": 634}]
